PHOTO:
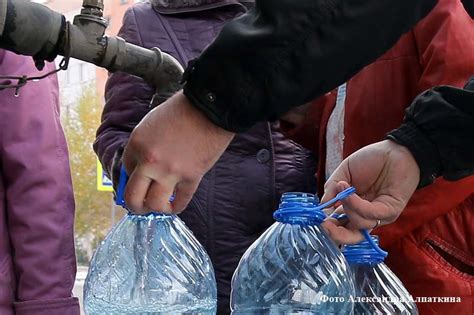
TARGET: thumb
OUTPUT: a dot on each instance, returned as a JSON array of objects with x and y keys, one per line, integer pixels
[{"x": 330, "y": 190}]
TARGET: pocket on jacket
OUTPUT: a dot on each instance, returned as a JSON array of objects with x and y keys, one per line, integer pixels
[{"x": 450, "y": 258}]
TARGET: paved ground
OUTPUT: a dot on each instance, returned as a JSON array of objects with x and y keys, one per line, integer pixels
[{"x": 79, "y": 285}]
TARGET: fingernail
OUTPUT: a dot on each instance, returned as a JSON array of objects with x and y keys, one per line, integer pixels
[{"x": 342, "y": 185}]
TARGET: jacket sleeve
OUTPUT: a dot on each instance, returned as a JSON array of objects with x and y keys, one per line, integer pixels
[
  {"x": 264, "y": 63},
  {"x": 438, "y": 130},
  {"x": 39, "y": 200},
  {"x": 445, "y": 44},
  {"x": 127, "y": 101},
  {"x": 445, "y": 60}
]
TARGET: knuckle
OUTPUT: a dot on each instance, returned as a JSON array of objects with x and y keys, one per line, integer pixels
[
  {"x": 174, "y": 167},
  {"x": 150, "y": 157}
]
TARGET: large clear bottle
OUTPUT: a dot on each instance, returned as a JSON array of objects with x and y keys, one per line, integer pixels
[
  {"x": 378, "y": 290},
  {"x": 150, "y": 264},
  {"x": 293, "y": 268}
]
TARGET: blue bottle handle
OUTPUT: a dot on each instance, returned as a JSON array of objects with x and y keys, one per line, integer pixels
[
  {"x": 344, "y": 194},
  {"x": 374, "y": 245},
  {"x": 119, "y": 198}
]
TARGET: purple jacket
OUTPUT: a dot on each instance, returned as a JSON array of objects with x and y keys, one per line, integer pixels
[
  {"x": 235, "y": 201},
  {"x": 37, "y": 259}
]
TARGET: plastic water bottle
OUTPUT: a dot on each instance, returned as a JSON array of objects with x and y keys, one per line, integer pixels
[
  {"x": 150, "y": 264},
  {"x": 378, "y": 290},
  {"x": 293, "y": 268}
]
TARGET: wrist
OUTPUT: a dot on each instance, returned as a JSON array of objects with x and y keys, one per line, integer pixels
[
  {"x": 217, "y": 137},
  {"x": 201, "y": 117},
  {"x": 424, "y": 152}
]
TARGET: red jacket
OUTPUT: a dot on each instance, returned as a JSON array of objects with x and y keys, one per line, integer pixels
[{"x": 431, "y": 245}]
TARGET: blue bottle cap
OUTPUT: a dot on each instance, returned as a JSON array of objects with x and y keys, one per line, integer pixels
[
  {"x": 303, "y": 208},
  {"x": 299, "y": 208},
  {"x": 366, "y": 252}
]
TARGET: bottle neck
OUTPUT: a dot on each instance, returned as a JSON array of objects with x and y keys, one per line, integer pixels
[
  {"x": 363, "y": 253},
  {"x": 299, "y": 208},
  {"x": 299, "y": 197},
  {"x": 149, "y": 216}
]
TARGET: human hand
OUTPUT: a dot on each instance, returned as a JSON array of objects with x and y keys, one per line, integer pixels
[
  {"x": 385, "y": 175},
  {"x": 169, "y": 152}
]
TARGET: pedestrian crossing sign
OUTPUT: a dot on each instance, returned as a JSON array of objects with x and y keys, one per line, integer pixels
[{"x": 103, "y": 181}]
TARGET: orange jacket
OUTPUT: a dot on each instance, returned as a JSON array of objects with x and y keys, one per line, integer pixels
[{"x": 431, "y": 245}]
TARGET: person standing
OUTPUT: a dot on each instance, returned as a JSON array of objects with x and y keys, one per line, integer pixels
[
  {"x": 234, "y": 203},
  {"x": 37, "y": 258},
  {"x": 429, "y": 242}
]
